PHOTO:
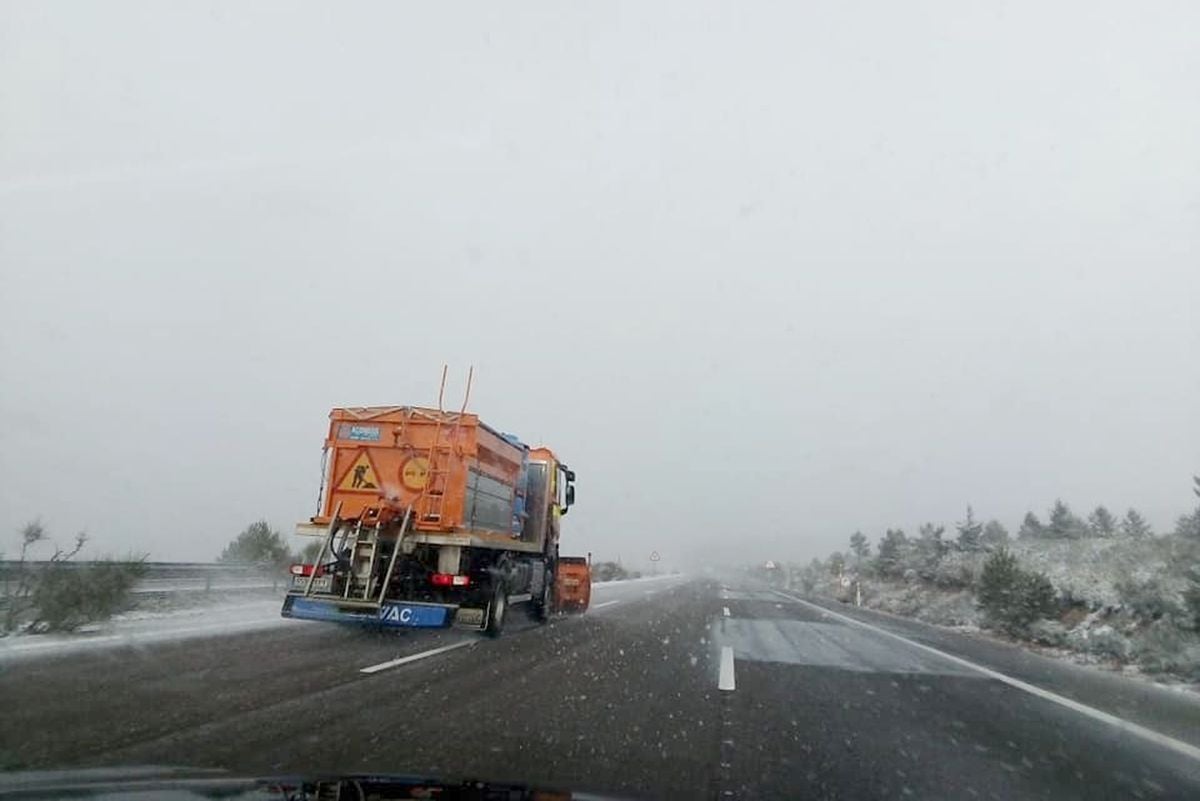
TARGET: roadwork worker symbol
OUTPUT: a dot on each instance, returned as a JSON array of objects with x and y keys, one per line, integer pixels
[{"x": 360, "y": 476}]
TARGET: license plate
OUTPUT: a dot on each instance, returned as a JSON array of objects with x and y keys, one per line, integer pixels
[
  {"x": 320, "y": 583},
  {"x": 469, "y": 617}
]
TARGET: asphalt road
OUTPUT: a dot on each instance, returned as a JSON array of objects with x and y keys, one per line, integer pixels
[{"x": 624, "y": 700}]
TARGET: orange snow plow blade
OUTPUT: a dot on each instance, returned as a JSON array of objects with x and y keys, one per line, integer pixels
[{"x": 573, "y": 585}]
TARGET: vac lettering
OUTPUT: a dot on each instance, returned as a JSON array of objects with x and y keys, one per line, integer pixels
[{"x": 396, "y": 614}]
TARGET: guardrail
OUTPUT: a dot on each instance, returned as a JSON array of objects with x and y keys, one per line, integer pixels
[{"x": 164, "y": 578}]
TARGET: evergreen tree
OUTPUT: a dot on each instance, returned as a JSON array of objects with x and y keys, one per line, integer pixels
[
  {"x": 1063, "y": 523},
  {"x": 893, "y": 547},
  {"x": 1031, "y": 527},
  {"x": 1036, "y": 598},
  {"x": 970, "y": 532},
  {"x": 1013, "y": 598},
  {"x": 860, "y": 546},
  {"x": 930, "y": 549},
  {"x": 1188, "y": 526},
  {"x": 994, "y": 534},
  {"x": 1133, "y": 525},
  {"x": 998, "y": 580},
  {"x": 1101, "y": 523}
]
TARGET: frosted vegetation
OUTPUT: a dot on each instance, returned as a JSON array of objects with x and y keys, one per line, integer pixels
[
  {"x": 57, "y": 594},
  {"x": 1106, "y": 587}
]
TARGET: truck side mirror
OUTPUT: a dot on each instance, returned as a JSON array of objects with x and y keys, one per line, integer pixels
[{"x": 570, "y": 495}]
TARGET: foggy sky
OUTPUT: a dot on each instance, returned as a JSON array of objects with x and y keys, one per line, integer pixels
[{"x": 762, "y": 273}]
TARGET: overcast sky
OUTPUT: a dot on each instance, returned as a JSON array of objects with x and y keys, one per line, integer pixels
[{"x": 763, "y": 274}]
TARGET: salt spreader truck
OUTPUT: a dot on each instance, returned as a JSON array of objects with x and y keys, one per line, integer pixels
[{"x": 429, "y": 518}]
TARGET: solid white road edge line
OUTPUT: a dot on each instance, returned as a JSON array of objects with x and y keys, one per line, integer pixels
[
  {"x": 1178, "y": 746},
  {"x": 145, "y": 637},
  {"x": 725, "y": 680},
  {"x": 404, "y": 660},
  {"x": 606, "y": 603}
]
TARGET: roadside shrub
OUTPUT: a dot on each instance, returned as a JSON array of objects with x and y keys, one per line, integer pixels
[
  {"x": 997, "y": 582},
  {"x": 1102, "y": 641},
  {"x": 1012, "y": 598},
  {"x": 1035, "y": 597},
  {"x": 1159, "y": 647},
  {"x": 956, "y": 571},
  {"x": 949, "y": 608},
  {"x": 1191, "y": 598},
  {"x": 67, "y": 596},
  {"x": 258, "y": 544},
  {"x": 1147, "y": 599},
  {"x": 1048, "y": 632},
  {"x": 20, "y": 581}
]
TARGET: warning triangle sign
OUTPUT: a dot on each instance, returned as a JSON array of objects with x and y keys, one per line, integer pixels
[{"x": 361, "y": 476}]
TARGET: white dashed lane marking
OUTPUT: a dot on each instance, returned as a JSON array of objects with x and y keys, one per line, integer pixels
[
  {"x": 725, "y": 681},
  {"x": 404, "y": 660}
]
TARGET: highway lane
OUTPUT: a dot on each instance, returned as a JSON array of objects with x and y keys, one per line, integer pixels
[
  {"x": 833, "y": 710},
  {"x": 622, "y": 700},
  {"x": 306, "y": 681}
]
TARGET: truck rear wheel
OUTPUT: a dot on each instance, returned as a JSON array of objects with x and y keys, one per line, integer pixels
[
  {"x": 543, "y": 606},
  {"x": 497, "y": 610}
]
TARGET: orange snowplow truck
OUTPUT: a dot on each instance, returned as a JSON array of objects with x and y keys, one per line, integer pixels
[{"x": 430, "y": 518}]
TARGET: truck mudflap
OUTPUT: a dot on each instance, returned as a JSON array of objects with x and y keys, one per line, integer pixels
[
  {"x": 573, "y": 584},
  {"x": 397, "y": 614}
]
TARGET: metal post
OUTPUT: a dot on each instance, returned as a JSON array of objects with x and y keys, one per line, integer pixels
[
  {"x": 395, "y": 552},
  {"x": 325, "y": 543},
  {"x": 442, "y": 388}
]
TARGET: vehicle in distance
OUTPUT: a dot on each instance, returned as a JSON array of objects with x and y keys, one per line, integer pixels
[{"x": 429, "y": 518}]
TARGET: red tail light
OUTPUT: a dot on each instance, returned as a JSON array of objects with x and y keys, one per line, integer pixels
[
  {"x": 449, "y": 580},
  {"x": 305, "y": 570}
]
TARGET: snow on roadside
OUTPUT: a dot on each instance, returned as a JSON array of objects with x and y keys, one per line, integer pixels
[
  {"x": 142, "y": 627},
  {"x": 634, "y": 580},
  {"x": 1091, "y": 642},
  {"x": 1089, "y": 570}
]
